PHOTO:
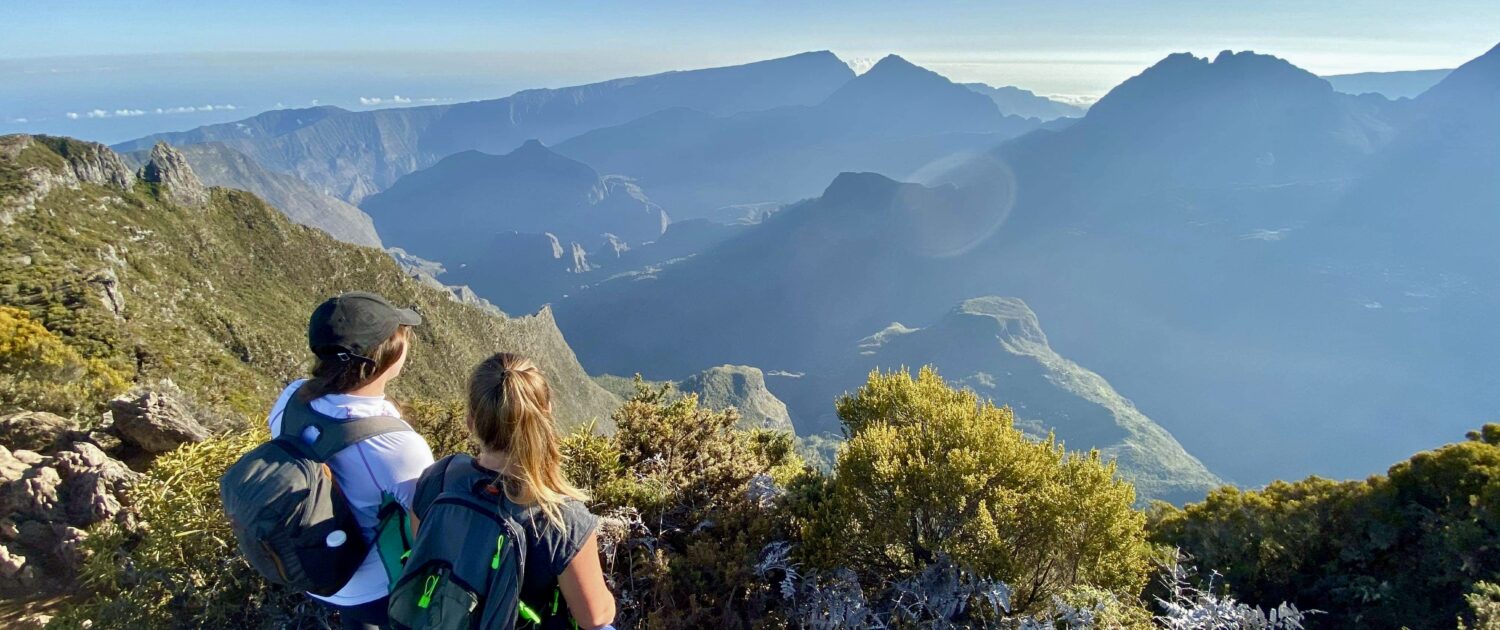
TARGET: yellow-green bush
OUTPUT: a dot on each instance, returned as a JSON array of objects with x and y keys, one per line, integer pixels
[
  {"x": 39, "y": 372},
  {"x": 929, "y": 471}
]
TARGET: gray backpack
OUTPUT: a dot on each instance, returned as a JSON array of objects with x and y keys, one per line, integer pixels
[
  {"x": 292, "y": 522},
  {"x": 466, "y": 566}
]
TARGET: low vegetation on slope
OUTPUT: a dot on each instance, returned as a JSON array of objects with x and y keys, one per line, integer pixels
[{"x": 216, "y": 297}]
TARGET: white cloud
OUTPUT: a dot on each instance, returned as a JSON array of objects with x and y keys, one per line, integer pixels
[
  {"x": 379, "y": 100},
  {"x": 19, "y": 121},
  {"x": 126, "y": 112}
]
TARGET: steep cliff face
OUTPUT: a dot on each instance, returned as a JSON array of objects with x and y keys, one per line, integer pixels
[{"x": 216, "y": 299}]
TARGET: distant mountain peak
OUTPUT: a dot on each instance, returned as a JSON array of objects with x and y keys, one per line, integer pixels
[
  {"x": 1180, "y": 79},
  {"x": 893, "y": 68},
  {"x": 1474, "y": 84},
  {"x": 850, "y": 187}
]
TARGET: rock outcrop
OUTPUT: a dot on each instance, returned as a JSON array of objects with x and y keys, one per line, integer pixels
[
  {"x": 37, "y": 431},
  {"x": 154, "y": 422},
  {"x": 49, "y": 502},
  {"x": 168, "y": 168},
  {"x": 744, "y": 388},
  {"x": 46, "y": 163}
]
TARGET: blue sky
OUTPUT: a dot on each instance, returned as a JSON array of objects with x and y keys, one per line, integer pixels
[{"x": 83, "y": 56}]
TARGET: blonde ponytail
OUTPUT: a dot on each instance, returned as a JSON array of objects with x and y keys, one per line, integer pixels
[{"x": 510, "y": 412}]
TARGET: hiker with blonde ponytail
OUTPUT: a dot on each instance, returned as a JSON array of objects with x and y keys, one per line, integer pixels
[{"x": 557, "y": 580}]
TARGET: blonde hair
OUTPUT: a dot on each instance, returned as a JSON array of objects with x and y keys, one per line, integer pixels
[
  {"x": 333, "y": 376},
  {"x": 510, "y": 411}
]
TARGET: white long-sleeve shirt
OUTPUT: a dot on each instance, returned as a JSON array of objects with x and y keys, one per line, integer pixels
[{"x": 383, "y": 463}]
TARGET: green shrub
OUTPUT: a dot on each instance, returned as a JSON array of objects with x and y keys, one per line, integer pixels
[
  {"x": 1397, "y": 550},
  {"x": 39, "y": 372},
  {"x": 931, "y": 472},
  {"x": 691, "y": 509},
  {"x": 441, "y": 424}
]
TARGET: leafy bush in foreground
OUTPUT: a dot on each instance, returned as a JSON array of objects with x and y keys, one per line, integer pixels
[
  {"x": 1400, "y": 550},
  {"x": 691, "y": 502},
  {"x": 929, "y": 471}
]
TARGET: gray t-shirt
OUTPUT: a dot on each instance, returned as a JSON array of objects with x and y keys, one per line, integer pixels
[{"x": 548, "y": 548}]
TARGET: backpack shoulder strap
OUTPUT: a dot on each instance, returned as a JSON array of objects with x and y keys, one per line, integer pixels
[
  {"x": 334, "y": 434},
  {"x": 338, "y": 435}
]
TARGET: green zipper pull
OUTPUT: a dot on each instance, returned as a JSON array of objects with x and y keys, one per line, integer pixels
[
  {"x": 555, "y": 593},
  {"x": 427, "y": 588},
  {"x": 527, "y": 613},
  {"x": 499, "y": 546}
]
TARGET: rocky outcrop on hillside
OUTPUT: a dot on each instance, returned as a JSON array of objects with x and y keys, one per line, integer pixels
[
  {"x": 34, "y": 166},
  {"x": 169, "y": 168},
  {"x": 49, "y": 502},
  {"x": 744, "y": 388},
  {"x": 155, "y": 422},
  {"x": 59, "y": 478},
  {"x": 218, "y": 165}
]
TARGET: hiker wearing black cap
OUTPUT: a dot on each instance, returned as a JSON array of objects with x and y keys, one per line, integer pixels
[{"x": 360, "y": 342}]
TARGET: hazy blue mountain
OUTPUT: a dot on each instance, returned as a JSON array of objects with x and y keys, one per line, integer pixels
[
  {"x": 219, "y": 165},
  {"x": 1400, "y": 84},
  {"x": 1227, "y": 240},
  {"x": 451, "y": 211},
  {"x": 895, "y": 119},
  {"x": 796, "y": 289},
  {"x": 355, "y": 154},
  {"x": 1014, "y": 101}
]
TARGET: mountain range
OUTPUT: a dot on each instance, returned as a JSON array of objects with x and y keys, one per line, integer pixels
[
  {"x": 1266, "y": 262},
  {"x": 1244, "y": 250},
  {"x": 895, "y": 119},
  {"x": 451, "y": 211},
  {"x": 351, "y": 155}
]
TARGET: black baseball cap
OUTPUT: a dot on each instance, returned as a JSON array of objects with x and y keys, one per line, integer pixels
[{"x": 355, "y": 323}]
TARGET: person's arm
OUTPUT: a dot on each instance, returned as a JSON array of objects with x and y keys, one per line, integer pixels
[
  {"x": 583, "y": 587},
  {"x": 412, "y": 516}
]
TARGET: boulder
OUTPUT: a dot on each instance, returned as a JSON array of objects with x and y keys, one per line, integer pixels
[
  {"x": 35, "y": 431},
  {"x": 154, "y": 422}
]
